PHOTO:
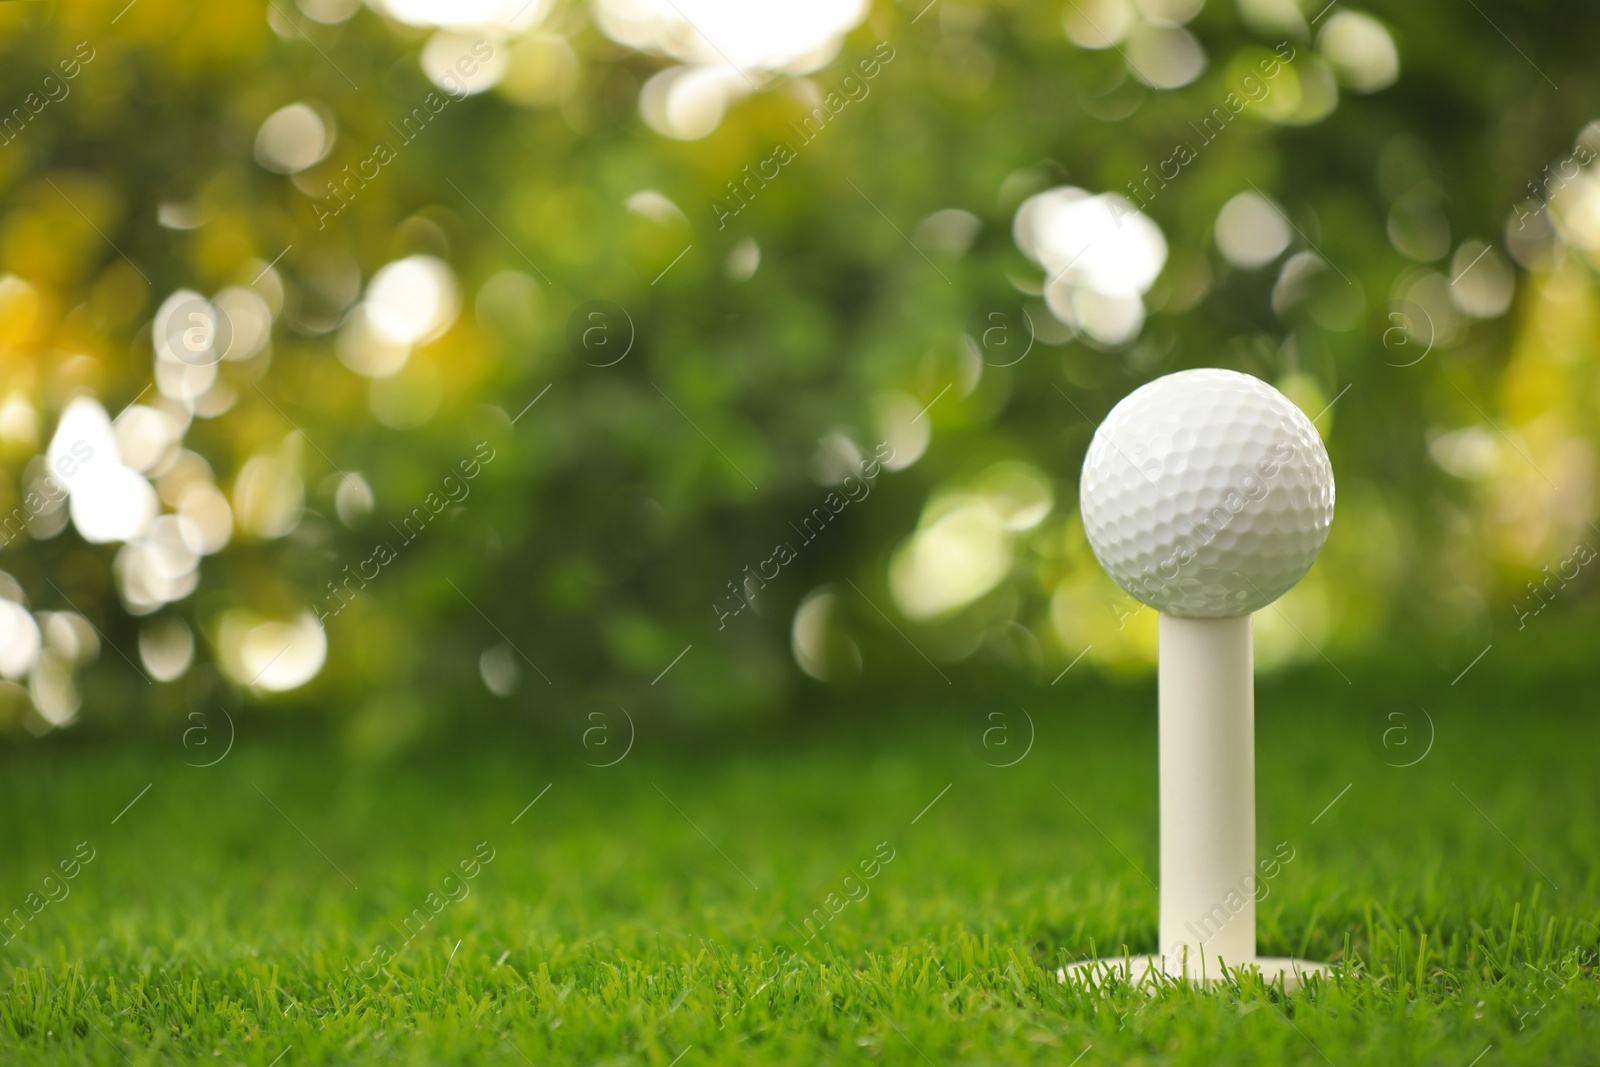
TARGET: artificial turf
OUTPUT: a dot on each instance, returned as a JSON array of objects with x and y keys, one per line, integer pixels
[{"x": 291, "y": 905}]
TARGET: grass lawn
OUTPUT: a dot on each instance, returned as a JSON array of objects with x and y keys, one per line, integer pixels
[{"x": 288, "y": 906}]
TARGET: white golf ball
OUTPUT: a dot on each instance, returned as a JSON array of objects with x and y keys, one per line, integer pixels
[{"x": 1206, "y": 493}]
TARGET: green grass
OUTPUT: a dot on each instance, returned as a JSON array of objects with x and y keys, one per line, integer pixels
[{"x": 654, "y": 910}]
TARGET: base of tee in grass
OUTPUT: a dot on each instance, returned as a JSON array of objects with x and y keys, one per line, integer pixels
[{"x": 1152, "y": 970}]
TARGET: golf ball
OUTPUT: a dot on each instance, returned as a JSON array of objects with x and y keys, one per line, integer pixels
[{"x": 1206, "y": 493}]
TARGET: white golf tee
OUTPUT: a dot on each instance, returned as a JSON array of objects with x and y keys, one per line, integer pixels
[
  {"x": 1208, "y": 881},
  {"x": 1206, "y": 494},
  {"x": 1206, "y": 692}
]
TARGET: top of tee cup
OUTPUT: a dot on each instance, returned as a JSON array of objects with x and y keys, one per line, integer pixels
[{"x": 1206, "y": 493}]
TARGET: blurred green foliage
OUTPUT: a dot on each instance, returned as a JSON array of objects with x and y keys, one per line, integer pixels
[{"x": 767, "y": 347}]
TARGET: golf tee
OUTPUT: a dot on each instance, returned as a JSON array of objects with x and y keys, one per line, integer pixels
[{"x": 1206, "y": 692}]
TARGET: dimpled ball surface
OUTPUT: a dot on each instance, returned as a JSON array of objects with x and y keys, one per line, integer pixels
[{"x": 1206, "y": 493}]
